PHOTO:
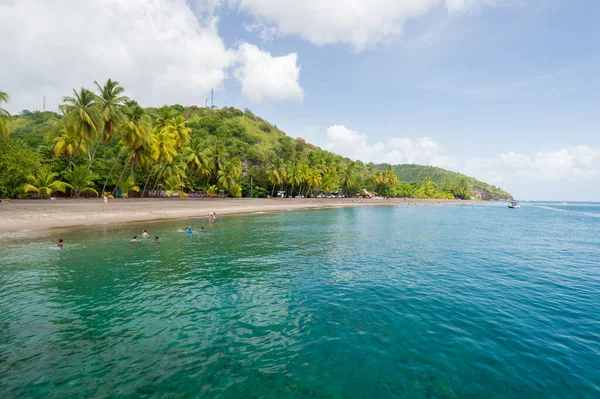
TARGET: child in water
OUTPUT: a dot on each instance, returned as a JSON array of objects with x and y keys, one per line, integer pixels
[
  {"x": 135, "y": 239},
  {"x": 145, "y": 234},
  {"x": 188, "y": 230},
  {"x": 155, "y": 239},
  {"x": 60, "y": 243}
]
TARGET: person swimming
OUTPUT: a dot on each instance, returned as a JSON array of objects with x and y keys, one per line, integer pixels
[
  {"x": 145, "y": 234},
  {"x": 188, "y": 230},
  {"x": 201, "y": 228},
  {"x": 60, "y": 243},
  {"x": 155, "y": 239},
  {"x": 135, "y": 239}
]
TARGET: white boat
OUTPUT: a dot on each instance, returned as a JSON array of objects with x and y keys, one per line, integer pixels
[
  {"x": 514, "y": 205},
  {"x": 564, "y": 204}
]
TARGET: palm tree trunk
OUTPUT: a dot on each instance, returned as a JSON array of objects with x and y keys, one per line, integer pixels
[
  {"x": 147, "y": 181},
  {"x": 273, "y": 191},
  {"x": 74, "y": 153},
  {"x": 109, "y": 173},
  {"x": 121, "y": 176},
  {"x": 158, "y": 178},
  {"x": 96, "y": 148}
]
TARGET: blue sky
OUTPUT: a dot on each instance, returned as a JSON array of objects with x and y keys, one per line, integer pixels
[{"x": 504, "y": 90}]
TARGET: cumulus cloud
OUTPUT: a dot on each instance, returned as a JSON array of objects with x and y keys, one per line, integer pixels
[
  {"x": 264, "y": 77},
  {"x": 158, "y": 50},
  {"x": 571, "y": 173},
  {"x": 354, "y": 145},
  {"x": 359, "y": 23}
]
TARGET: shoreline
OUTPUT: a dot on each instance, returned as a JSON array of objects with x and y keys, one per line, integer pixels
[{"x": 19, "y": 218}]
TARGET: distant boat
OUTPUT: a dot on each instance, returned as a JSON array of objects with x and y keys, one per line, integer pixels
[
  {"x": 514, "y": 205},
  {"x": 563, "y": 204}
]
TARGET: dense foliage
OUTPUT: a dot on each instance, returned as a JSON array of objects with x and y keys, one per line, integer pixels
[{"x": 102, "y": 142}]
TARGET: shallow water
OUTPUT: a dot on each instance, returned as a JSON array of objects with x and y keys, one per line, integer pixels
[{"x": 419, "y": 302}]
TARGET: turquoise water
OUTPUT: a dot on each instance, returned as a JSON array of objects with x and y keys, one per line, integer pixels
[{"x": 419, "y": 302}]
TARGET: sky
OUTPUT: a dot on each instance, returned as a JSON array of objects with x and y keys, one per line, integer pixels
[{"x": 506, "y": 91}]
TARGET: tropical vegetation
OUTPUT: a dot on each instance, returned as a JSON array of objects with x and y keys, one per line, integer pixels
[{"x": 101, "y": 142}]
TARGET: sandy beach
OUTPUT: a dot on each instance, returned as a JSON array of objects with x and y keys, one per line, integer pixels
[{"x": 30, "y": 217}]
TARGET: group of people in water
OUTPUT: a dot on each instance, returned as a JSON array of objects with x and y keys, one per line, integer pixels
[
  {"x": 188, "y": 230},
  {"x": 144, "y": 235}
]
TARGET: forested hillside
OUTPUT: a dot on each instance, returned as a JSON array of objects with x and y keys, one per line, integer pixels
[
  {"x": 101, "y": 142},
  {"x": 446, "y": 178}
]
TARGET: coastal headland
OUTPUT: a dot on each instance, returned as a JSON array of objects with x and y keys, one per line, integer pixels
[{"x": 32, "y": 217}]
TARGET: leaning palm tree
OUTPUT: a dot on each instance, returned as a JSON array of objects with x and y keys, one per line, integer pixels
[
  {"x": 81, "y": 180},
  {"x": 111, "y": 103},
  {"x": 4, "y": 117},
  {"x": 82, "y": 115},
  {"x": 277, "y": 174},
  {"x": 45, "y": 183}
]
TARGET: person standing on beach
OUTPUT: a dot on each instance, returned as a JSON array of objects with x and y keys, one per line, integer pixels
[{"x": 105, "y": 202}]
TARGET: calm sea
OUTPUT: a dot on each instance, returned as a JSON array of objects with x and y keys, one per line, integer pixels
[{"x": 419, "y": 302}]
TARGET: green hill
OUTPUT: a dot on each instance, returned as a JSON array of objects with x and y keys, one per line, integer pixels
[
  {"x": 191, "y": 150},
  {"x": 442, "y": 177}
]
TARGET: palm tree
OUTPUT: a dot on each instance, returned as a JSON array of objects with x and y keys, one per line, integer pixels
[
  {"x": 391, "y": 179},
  {"x": 45, "y": 183},
  {"x": 82, "y": 115},
  {"x": 277, "y": 174},
  {"x": 128, "y": 185},
  {"x": 173, "y": 185},
  {"x": 314, "y": 179},
  {"x": 230, "y": 173},
  {"x": 330, "y": 183},
  {"x": 163, "y": 147},
  {"x": 81, "y": 180},
  {"x": 65, "y": 146},
  {"x": 4, "y": 117},
  {"x": 196, "y": 158},
  {"x": 217, "y": 156},
  {"x": 111, "y": 104},
  {"x": 135, "y": 138},
  {"x": 181, "y": 133},
  {"x": 295, "y": 176},
  {"x": 349, "y": 177}
]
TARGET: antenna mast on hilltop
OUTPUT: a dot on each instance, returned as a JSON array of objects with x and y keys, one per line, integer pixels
[
  {"x": 44, "y": 103},
  {"x": 212, "y": 98}
]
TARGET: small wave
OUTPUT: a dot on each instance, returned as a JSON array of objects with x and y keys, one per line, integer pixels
[{"x": 591, "y": 214}]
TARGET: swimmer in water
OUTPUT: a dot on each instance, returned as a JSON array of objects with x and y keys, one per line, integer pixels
[
  {"x": 155, "y": 239},
  {"x": 135, "y": 239},
  {"x": 145, "y": 234},
  {"x": 188, "y": 230},
  {"x": 201, "y": 228},
  {"x": 60, "y": 243}
]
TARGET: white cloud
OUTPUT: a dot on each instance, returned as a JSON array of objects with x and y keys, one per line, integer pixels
[
  {"x": 359, "y": 23},
  {"x": 265, "y": 78},
  {"x": 354, "y": 145},
  {"x": 158, "y": 50},
  {"x": 571, "y": 173}
]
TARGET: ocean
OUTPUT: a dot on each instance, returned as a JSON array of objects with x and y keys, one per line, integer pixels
[{"x": 471, "y": 301}]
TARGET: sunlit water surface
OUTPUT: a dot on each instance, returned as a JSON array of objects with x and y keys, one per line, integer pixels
[{"x": 389, "y": 302}]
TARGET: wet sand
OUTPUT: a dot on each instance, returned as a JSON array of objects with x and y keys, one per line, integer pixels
[{"x": 29, "y": 217}]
